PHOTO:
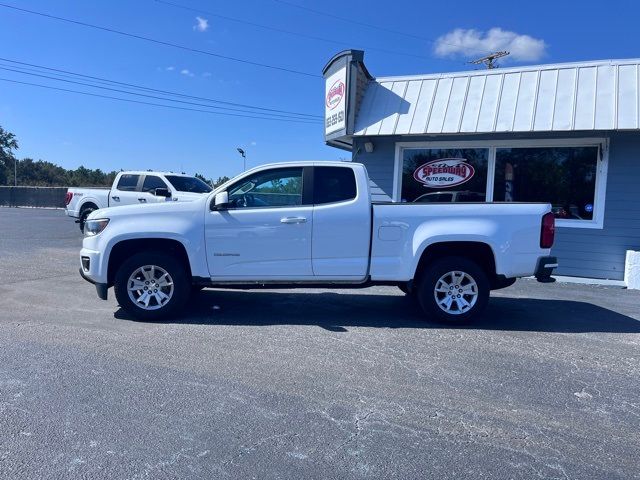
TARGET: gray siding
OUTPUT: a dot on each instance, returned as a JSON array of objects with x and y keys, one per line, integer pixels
[{"x": 581, "y": 252}]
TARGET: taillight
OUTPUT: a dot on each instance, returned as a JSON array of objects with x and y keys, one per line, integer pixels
[
  {"x": 67, "y": 198},
  {"x": 548, "y": 230}
]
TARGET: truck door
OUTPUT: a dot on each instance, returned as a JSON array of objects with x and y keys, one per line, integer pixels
[
  {"x": 341, "y": 223},
  {"x": 265, "y": 231},
  {"x": 126, "y": 191}
]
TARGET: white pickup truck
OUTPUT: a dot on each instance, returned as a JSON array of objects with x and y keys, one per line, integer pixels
[
  {"x": 312, "y": 224},
  {"x": 132, "y": 188}
]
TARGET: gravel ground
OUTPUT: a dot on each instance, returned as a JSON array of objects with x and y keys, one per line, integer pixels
[{"x": 307, "y": 383}]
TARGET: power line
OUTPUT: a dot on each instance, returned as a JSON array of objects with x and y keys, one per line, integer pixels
[
  {"x": 155, "y": 97},
  {"x": 280, "y": 30},
  {"x": 370, "y": 25},
  {"x": 70, "y": 74},
  {"x": 159, "y": 42},
  {"x": 175, "y": 107}
]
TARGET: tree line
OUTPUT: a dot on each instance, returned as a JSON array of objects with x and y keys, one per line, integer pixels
[{"x": 40, "y": 173}]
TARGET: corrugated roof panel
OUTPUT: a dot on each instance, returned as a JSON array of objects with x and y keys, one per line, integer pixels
[
  {"x": 457, "y": 99},
  {"x": 489, "y": 105},
  {"x": 379, "y": 108},
  {"x": 543, "y": 120},
  {"x": 440, "y": 103},
  {"x": 395, "y": 104},
  {"x": 472, "y": 105},
  {"x": 508, "y": 99},
  {"x": 419, "y": 123},
  {"x": 585, "y": 99},
  {"x": 628, "y": 96},
  {"x": 563, "y": 109},
  {"x": 523, "y": 119},
  {"x": 606, "y": 98},
  {"x": 411, "y": 97},
  {"x": 565, "y": 97},
  {"x": 364, "y": 115}
]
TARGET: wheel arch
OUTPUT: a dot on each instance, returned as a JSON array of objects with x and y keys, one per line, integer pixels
[
  {"x": 126, "y": 248},
  {"x": 480, "y": 252}
]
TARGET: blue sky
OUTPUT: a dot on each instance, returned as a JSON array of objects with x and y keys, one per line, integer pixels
[{"x": 74, "y": 130}]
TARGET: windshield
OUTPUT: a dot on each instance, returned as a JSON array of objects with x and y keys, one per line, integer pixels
[{"x": 188, "y": 184}]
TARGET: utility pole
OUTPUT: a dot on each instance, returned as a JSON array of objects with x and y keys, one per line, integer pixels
[
  {"x": 15, "y": 171},
  {"x": 490, "y": 60}
]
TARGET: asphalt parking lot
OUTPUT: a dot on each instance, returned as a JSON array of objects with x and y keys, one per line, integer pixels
[{"x": 308, "y": 383}]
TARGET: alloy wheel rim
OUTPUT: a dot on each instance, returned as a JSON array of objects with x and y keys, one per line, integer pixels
[
  {"x": 150, "y": 287},
  {"x": 456, "y": 292}
]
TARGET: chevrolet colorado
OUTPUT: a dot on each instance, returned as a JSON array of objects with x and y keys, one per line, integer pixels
[{"x": 309, "y": 224}]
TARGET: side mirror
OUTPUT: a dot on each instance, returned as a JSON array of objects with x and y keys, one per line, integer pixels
[
  {"x": 162, "y": 192},
  {"x": 221, "y": 201}
]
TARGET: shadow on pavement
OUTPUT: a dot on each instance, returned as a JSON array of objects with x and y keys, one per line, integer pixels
[{"x": 335, "y": 311}]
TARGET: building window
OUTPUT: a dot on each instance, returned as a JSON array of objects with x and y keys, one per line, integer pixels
[
  {"x": 570, "y": 174},
  {"x": 562, "y": 176},
  {"x": 444, "y": 174}
]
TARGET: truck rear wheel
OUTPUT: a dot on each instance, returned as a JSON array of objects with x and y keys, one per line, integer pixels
[
  {"x": 453, "y": 290},
  {"x": 151, "y": 286}
]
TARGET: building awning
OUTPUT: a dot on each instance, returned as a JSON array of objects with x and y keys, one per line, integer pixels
[{"x": 601, "y": 95}]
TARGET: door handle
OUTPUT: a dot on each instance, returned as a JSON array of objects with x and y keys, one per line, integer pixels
[
  {"x": 142, "y": 200},
  {"x": 116, "y": 198},
  {"x": 293, "y": 220}
]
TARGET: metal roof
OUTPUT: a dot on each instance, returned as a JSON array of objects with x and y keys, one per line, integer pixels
[{"x": 602, "y": 95}]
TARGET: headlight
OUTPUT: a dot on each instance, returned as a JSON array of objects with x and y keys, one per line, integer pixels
[{"x": 95, "y": 226}]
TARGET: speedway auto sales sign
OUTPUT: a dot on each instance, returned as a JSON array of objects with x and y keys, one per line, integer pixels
[
  {"x": 335, "y": 101},
  {"x": 446, "y": 172}
]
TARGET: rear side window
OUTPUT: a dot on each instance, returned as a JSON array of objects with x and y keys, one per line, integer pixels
[
  {"x": 151, "y": 182},
  {"x": 128, "y": 183},
  {"x": 333, "y": 184}
]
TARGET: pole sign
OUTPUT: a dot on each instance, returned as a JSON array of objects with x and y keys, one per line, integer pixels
[{"x": 335, "y": 102}]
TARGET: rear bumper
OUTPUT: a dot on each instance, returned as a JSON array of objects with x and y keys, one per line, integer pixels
[
  {"x": 545, "y": 268},
  {"x": 101, "y": 288}
]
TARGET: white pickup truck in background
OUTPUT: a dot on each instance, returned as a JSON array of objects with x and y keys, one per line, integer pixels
[
  {"x": 313, "y": 224},
  {"x": 132, "y": 188}
]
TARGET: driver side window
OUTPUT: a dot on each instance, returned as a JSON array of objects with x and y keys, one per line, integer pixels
[{"x": 272, "y": 188}]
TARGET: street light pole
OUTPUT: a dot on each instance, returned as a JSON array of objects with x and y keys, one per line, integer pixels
[
  {"x": 15, "y": 171},
  {"x": 244, "y": 159}
]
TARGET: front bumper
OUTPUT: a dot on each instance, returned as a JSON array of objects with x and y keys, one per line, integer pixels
[
  {"x": 101, "y": 288},
  {"x": 545, "y": 268}
]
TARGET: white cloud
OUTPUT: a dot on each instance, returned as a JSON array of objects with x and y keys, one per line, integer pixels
[
  {"x": 170, "y": 69},
  {"x": 474, "y": 43},
  {"x": 202, "y": 24},
  {"x": 254, "y": 143},
  {"x": 186, "y": 72}
]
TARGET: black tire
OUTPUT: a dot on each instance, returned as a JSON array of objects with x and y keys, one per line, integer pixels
[
  {"x": 84, "y": 213},
  {"x": 456, "y": 314},
  {"x": 177, "y": 272}
]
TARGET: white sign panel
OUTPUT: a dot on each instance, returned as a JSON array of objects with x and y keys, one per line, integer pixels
[{"x": 335, "y": 101}]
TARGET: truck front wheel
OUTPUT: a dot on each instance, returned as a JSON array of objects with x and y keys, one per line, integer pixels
[
  {"x": 151, "y": 286},
  {"x": 453, "y": 290}
]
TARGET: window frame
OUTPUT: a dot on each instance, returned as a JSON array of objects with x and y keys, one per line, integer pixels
[
  {"x": 137, "y": 188},
  {"x": 314, "y": 170},
  {"x": 153, "y": 189},
  {"x": 244, "y": 178},
  {"x": 492, "y": 145}
]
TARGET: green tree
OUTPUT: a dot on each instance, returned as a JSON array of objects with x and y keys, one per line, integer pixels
[{"x": 8, "y": 144}]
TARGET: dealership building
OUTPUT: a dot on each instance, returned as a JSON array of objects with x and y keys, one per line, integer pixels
[{"x": 567, "y": 134}]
